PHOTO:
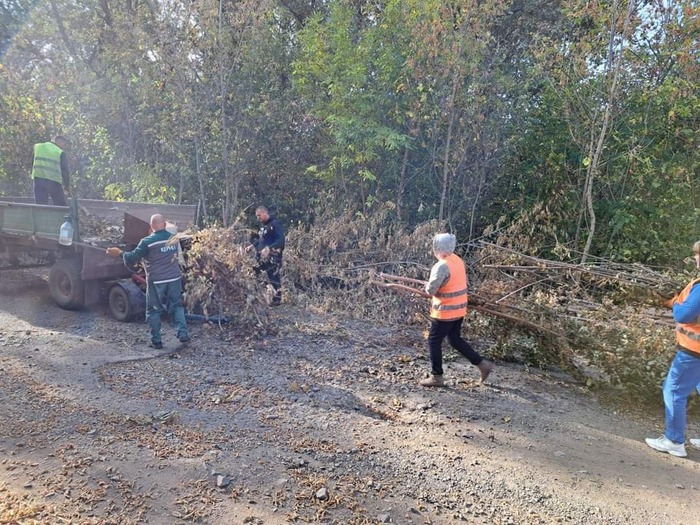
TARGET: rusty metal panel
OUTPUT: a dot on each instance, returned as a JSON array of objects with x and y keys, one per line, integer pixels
[
  {"x": 136, "y": 225},
  {"x": 98, "y": 265}
]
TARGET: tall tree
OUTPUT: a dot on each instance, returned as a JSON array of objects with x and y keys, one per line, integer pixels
[
  {"x": 641, "y": 203},
  {"x": 603, "y": 112}
]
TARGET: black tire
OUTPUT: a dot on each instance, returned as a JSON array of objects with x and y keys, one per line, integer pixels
[
  {"x": 126, "y": 300},
  {"x": 66, "y": 287},
  {"x": 120, "y": 304}
]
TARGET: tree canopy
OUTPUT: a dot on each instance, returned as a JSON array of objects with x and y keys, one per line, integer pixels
[{"x": 579, "y": 119}]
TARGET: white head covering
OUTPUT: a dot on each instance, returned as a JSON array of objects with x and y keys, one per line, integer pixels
[{"x": 444, "y": 243}]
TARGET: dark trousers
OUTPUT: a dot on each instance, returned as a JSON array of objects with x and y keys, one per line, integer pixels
[
  {"x": 453, "y": 331},
  {"x": 272, "y": 267},
  {"x": 162, "y": 298},
  {"x": 45, "y": 188}
]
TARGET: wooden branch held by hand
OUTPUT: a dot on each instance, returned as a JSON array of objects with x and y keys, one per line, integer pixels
[
  {"x": 400, "y": 287},
  {"x": 475, "y": 303},
  {"x": 390, "y": 277}
]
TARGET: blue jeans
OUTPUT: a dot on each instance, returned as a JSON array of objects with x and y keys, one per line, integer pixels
[
  {"x": 683, "y": 377},
  {"x": 165, "y": 297}
]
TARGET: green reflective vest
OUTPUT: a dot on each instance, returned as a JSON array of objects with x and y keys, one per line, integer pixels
[{"x": 47, "y": 162}]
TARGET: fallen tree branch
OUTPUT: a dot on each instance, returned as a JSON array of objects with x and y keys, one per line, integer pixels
[
  {"x": 522, "y": 322},
  {"x": 478, "y": 305},
  {"x": 400, "y": 287},
  {"x": 400, "y": 278}
]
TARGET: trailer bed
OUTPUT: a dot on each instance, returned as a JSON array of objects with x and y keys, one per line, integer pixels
[{"x": 82, "y": 269}]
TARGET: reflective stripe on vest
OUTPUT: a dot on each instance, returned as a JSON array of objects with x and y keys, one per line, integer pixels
[
  {"x": 47, "y": 162},
  {"x": 450, "y": 301},
  {"x": 451, "y": 294},
  {"x": 688, "y": 334}
]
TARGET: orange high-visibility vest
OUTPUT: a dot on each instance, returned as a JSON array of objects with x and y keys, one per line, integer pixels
[
  {"x": 688, "y": 334},
  {"x": 450, "y": 301}
]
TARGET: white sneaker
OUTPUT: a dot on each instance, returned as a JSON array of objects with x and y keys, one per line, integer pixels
[
  {"x": 663, "y": 444},
  {"x": 695, "y": 443}
]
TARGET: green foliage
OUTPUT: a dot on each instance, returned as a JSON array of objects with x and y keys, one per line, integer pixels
[
  {"x": 349, "y": 79},
  {"x": 21, "y": 120},
  {"x": 644, "y": 197},
  {"x": 144, "y": 186},
  {"x": 475, "y": 110},
  {"x": 115, "y": 192}
]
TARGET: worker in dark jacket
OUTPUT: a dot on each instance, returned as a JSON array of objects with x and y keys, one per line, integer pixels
[
  {"x": 164, "y": 286},
  {"x": 50, "y": 171},
  {"x": 268, "y": 247}
]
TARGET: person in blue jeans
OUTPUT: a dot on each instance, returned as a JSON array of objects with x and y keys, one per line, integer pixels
[
  {"x": 684, "y": 375},
  {"x": 163, "y": 276}
]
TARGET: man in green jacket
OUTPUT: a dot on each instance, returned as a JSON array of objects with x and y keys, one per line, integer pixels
[
  {"x": 50, "y": 171},
  {"x": 164, "y": 287}
]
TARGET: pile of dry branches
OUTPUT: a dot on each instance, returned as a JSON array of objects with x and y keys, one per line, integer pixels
[
  {"x": 328, "y": 265},
  {"x": 605, "y": 317},
  {"x": 603, "y": 322},
  {"x": 220, "y": 278}
]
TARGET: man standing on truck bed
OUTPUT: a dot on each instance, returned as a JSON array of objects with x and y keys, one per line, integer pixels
[
  {"x": 163, "y": 276},
  {"x": 50, "y": 171}
]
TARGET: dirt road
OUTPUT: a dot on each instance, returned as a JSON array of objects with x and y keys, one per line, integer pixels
[{"x": 322, "y": 422}]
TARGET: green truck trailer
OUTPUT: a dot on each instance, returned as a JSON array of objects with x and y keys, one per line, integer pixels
[{"x": 82, "y": 274}]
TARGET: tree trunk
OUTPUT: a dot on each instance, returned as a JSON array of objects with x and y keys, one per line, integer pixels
[
  {"x": 448, "y": 141},
  {"x": 614, "y": 65},
  {"x": 200, "y": 179},
  {"x": 228, "y": 211},
  {"x": 402, "y": 186}
]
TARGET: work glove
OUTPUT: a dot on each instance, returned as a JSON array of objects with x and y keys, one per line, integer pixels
[{"x": 668, "y": 303}]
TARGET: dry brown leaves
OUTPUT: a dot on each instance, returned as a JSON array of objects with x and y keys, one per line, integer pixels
[
  {"x": 221, "y": 279},
  {"x": 164, "y": 440},
  {"x": 21, "y": 508},
  {"x": 341, "y": 494},
  {"x": 604, "y": 321},
  {"x": 96, "y": 230},
  {"x": 328, "y": 265},
  {"x": 197, "y": 499}
]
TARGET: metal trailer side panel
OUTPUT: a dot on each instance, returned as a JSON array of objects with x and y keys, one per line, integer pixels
[
  {"x": 112, "y": 212},
  {"x": 183, "y": 215},
  {"x": 98, "y": 265},
  {"x": 32, "y": 220}
]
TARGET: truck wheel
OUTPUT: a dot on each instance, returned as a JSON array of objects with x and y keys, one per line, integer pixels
[
  {"x": 65, "y": 284},
  {"x": 126, "y": 300}
]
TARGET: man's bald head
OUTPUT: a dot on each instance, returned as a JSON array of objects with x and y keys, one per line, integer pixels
[
  {"x": 157, "y": 222},
  {"x": 61, "y": 141}
]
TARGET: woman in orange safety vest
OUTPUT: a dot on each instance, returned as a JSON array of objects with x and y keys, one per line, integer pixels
[{"x": 447, "y": 287}]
